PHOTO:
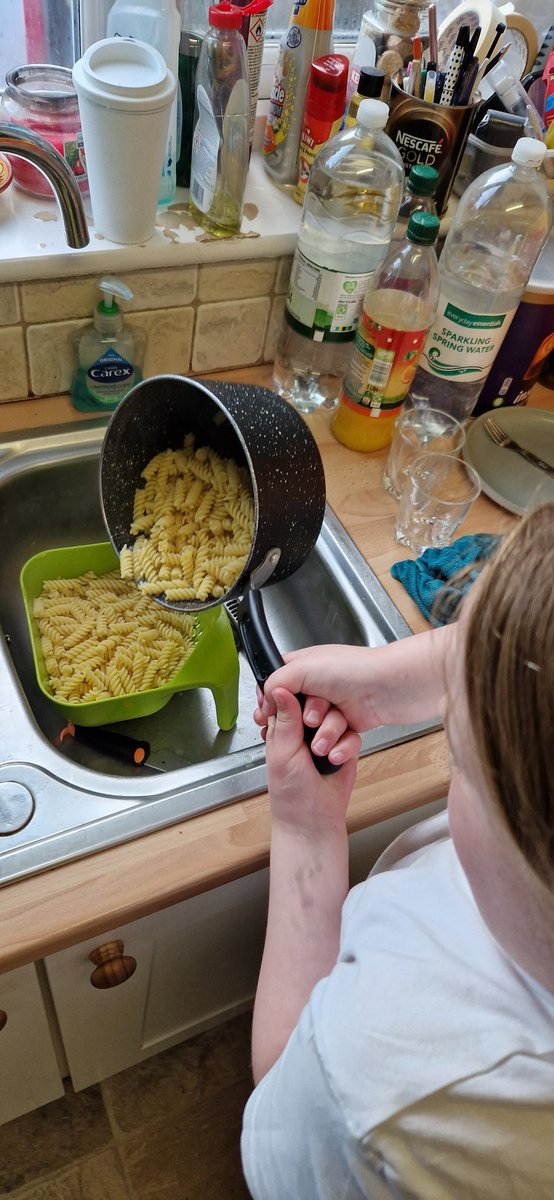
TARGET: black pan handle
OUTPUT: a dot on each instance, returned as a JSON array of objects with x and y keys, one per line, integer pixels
[{"x": 264, "y": 659}]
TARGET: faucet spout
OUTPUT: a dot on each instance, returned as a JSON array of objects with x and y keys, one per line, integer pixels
[{"x": 23, "y": 143}]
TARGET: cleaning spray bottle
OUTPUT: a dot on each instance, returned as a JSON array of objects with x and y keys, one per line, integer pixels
[{"x": 109, "y": 357}]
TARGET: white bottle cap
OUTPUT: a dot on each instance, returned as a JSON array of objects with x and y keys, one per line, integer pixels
[
  {"x": 528, "y": 152},
  {"x": 373, "y": 114}
]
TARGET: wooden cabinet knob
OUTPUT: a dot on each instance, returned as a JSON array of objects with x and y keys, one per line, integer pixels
[
  {"x": 3, "y": 1018},
  {"x": 112, "y": 966}
]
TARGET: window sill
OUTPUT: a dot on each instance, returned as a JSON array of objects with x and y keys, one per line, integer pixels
[{"x": 33, "y": 246}]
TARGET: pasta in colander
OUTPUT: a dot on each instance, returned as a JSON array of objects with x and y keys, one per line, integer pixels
[
  {"x": 102, "y": 638},
  {"x": 192, "y": 522}
]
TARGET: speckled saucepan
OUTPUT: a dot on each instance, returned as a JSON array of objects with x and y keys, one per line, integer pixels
[{"x": 257, "y": 429}]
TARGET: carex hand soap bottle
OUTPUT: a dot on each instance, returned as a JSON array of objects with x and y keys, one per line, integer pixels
[{"x": 109, "y": 357}]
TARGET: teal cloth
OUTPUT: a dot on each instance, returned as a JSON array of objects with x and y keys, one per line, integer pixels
[{"x": 429, "y": 576}]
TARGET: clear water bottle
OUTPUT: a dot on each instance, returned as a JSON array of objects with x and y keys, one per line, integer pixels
[
  {"x": 351, "y": 205},
  {"x": 498, "y": 231}
]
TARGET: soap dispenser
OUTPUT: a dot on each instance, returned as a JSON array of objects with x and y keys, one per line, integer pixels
[{"x": 109, "y": 357}]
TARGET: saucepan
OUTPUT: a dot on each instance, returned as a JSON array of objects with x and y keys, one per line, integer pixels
[{"x": 261, "y": 432}]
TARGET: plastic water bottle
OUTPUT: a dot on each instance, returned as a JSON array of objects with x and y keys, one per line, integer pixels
[
  {"x": 398, "y": 310},
  {"x": 351, "y": 205},
  {"x": 498, "y": 231}
]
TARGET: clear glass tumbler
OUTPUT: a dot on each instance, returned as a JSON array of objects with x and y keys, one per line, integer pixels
[
  {"x": 418, "y": 431},
  {"x": 438, "y": 493}
]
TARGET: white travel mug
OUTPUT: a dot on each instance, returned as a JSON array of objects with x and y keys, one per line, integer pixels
[{"x": 125, "y": 92}]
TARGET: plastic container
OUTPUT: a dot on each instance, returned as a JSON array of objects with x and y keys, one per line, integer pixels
[
  {"x": 190, "y": 45},
  {"x": 515, "y": 99},
  {"x": 323, "y": 114},
  {"x": 109, "y": 357},
  {"x": 157, "y": 23},
  {"x": 398, "y": 309},
  {"x": 351, "y": 206},
  {"x": 500, "y": 226},
  {"x": 219, "y": 163},
  {"x": 369, "y": 87},
  {"x": 212, "y": 664},
  {"x": 44, "y": 100},
  {"x": 418, "y": 197},
  {"x": 254, "y": 21},
  {"x": 309, "y": 35},
  {"x": 492, "y": 144}
]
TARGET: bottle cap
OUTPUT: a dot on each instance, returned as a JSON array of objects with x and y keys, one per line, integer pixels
[
  {"x": 422, "y": 179},
  {"x": 108, "y": 317},
  {"x": 370, "y": 83},
  {"x": 528, "y": 152},
  {"x": 327, "y": 87},
  {"x": 373, "y": 114},
  {"x": 423, "y": 228},
  {"x": 225, "y": 15}
]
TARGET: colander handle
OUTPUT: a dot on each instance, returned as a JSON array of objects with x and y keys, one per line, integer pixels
[{"x": 264, "y": 659}]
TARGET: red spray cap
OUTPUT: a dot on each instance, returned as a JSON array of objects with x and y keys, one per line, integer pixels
[
  {"x": 327, "y": 87},
  {"x": 225, "y": 15}
]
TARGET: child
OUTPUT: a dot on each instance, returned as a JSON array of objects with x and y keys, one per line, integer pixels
[{"x": 403, "y": 1040}]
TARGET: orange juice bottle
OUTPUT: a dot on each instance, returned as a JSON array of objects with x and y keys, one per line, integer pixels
[{"x": 399, "y": 307}]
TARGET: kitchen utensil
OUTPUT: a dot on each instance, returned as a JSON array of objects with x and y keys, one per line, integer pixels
[
  {"x": 507, "y": 478},
  {"x": 503, "y": 439},
  {"x": 213, "y": 663},
  {"x": 261, "y": 432}
]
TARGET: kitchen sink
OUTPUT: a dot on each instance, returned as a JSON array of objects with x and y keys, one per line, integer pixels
[{"x": 60, "y": 801}]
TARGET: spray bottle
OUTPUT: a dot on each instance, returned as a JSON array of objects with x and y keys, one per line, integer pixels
[{"x": 109, "y": 357}]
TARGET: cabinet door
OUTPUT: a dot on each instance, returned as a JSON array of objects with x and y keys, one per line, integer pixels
[
  {"x": 29, "y": 1070},
  {"x": 196, "y": 965}
]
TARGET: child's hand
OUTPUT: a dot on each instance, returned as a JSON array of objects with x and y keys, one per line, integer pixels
[{"x": 299, "y": 795}]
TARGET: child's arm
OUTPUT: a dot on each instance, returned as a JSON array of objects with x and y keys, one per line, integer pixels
[
  {"x": 308, "y": 878},
  {"x": 397, "y": 684}
]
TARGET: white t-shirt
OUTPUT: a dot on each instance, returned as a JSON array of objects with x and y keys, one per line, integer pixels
[{"x": 422, "y": 1067}]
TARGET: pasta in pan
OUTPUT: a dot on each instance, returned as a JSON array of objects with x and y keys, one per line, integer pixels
[
  {"x": 101, "y": 638},
  {"x": 193, "y": 523}
]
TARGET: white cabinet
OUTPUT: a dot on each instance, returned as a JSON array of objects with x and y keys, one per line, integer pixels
[
  {"x": 29, "y": 1071},
  {"x": 196, "y": 965}
]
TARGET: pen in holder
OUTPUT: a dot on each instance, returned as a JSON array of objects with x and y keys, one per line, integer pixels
[{"x": 430, "y": 133}]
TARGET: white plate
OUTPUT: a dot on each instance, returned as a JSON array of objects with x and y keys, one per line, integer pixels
[{"x": 505, "y": 476}]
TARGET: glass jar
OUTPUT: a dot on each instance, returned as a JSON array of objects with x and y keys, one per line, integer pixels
[
  {"x": 390, "y": 26},
  {"x": 42, "y": 98}
]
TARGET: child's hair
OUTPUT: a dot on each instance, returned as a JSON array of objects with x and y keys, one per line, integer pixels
[{"x": 509, "y": 676}]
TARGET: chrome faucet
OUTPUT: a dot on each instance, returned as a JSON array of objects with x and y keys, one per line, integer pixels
[{"x": 21, "y": 142}]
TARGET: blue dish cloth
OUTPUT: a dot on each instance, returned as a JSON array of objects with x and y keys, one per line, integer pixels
[{"x": 427, "y": 576}]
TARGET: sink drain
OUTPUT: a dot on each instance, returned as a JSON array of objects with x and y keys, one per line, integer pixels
[{"x": 17, "y": 805}]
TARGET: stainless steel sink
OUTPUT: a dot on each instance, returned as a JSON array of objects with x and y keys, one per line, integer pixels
[{"x": 59, "y": 802}]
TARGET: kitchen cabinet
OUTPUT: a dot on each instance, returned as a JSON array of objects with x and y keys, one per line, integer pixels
[
  {"x": 29, "y": 1067},
  {"x": 145, "y": 986}
]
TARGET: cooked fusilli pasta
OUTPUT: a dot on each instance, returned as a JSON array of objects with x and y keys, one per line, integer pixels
[
  {"x": 101, "y": 638},
  {"x": 192, "y": 523}
]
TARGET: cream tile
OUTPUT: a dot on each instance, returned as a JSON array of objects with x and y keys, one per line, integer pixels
[
  {"x": 169, "y": 339},
  {"x": 230, "y": 334},
  {"x": 51, "y": 359},
  {"x": 14, "y": 383},
  {"x": 64, "y": 299},
  {"x": 283, "y": 275},
  {"x": 9, "y": 304},
  {"x": 52, "y": 1138},
  {"x": 274, "y": 328},
  {"x": 236, "y": 280},
  {"x": 179, "y": 1078},
  {"x": 97, "y": 1178},
  {"x": 194, "y": 1154}
]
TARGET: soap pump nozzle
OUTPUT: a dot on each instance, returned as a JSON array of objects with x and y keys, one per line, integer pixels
[{"x": 108, "y": 317}]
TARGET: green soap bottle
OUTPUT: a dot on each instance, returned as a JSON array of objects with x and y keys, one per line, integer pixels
[{"x": 109, "y": 357}]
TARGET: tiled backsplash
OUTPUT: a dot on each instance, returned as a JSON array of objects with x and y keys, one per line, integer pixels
[{"x": 198, "y": 319}]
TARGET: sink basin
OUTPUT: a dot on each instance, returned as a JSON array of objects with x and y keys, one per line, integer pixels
[{"x": 62, "y": 801}]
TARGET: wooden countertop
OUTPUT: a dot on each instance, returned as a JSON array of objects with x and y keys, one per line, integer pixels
[{"x": 58, "y": 908}]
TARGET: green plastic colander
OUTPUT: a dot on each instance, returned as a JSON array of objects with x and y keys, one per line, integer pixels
[{"x": 212, "y": 664}]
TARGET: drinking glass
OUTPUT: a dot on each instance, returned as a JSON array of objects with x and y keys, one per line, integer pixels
[
  {"x": 418, "y": 430},
  {"x": 438, "y": 492}
]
